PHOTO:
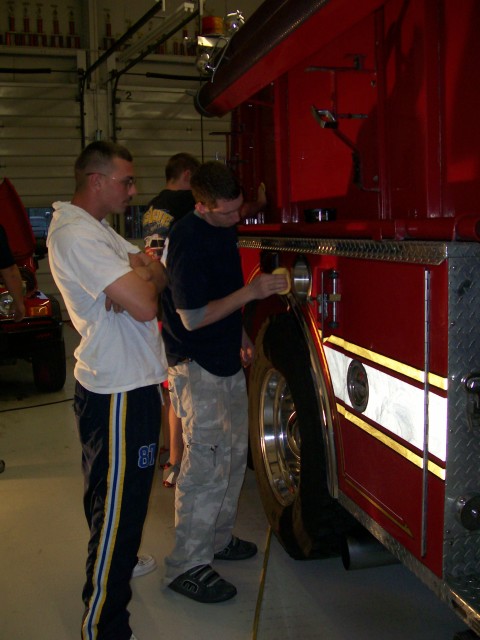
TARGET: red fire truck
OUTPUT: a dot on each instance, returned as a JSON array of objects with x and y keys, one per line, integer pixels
[{"x": 362, "y": 118}]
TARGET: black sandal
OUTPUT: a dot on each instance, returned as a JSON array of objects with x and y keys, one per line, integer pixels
[
  {"x": 203, "y": 584},
  {"x": 237, "y": 550}
]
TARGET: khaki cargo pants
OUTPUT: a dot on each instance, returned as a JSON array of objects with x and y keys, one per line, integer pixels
[{"x": 214, "y": 414}]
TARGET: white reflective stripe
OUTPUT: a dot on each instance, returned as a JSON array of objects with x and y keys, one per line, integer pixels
[
  {"x": 394, "y": 404},
  {"x": 388, "y": 363}
]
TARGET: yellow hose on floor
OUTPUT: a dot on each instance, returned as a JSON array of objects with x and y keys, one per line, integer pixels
[{"x": 263, "y": 577}]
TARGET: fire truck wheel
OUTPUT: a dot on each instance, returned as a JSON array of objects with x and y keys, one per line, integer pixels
[{"x": 287, "y": 445}]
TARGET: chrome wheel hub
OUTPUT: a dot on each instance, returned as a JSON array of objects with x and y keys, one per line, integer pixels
[{"x": 280, "y": 437}]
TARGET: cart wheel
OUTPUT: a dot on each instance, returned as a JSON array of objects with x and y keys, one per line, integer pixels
[{"x": 2, "y": 466}]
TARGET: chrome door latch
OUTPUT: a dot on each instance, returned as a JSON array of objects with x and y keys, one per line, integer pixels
[{"x": 328, "y": 301}]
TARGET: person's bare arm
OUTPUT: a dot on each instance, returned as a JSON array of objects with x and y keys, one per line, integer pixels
[
  {"x": 250, "y": 209},
  {"x": 149, "y": 269},
  {"x": 137, "y": 291},
  {"x": 260, "y": 287},
  {"x": 13, "y": 281}
]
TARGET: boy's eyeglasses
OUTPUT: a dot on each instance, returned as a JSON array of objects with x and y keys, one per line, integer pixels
[{"x": 128, "y": 182}]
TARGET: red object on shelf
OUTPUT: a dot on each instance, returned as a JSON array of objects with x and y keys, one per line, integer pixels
[{"x": 212, "y": 25}]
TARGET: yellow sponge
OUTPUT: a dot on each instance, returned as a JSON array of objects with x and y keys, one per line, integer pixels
[{"x": 284, "y": 272}]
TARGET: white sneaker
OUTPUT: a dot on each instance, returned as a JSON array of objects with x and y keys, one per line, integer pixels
[{"x": 145, "y": 564}]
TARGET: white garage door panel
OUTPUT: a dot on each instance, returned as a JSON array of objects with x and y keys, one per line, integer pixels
[
  {"x": 158, "y": 137},
  {"x": 39, "y": 132},
  {"x": 157, "y": 123},
  {"x": 169, "y": 111},
  {"x": 60, "y": 165},
  {"x": 41, "y": 193},
  {"x": 154, "y": 149},
  {"x": 28, "y": 91},
  {"x": 143, "y": 95},
  {"x": 52, "y": 148},
  {"x": 17, "y": 108},
  {"x": 40, "y": 138}
]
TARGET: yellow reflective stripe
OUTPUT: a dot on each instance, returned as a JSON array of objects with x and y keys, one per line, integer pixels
[
  {"x": 390, "y": 443},
  {"x": 390, "y": 363}
]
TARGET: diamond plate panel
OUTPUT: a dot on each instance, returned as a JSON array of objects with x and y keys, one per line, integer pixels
[
  {"x": 412, "y": 252},
  {"x": 462, "y": 547}
]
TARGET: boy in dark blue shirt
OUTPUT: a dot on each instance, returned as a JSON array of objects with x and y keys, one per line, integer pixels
[{"x": 206, "y": 347}]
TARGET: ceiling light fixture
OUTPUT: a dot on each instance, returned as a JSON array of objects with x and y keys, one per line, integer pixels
[{"x": 165, "y": 28}]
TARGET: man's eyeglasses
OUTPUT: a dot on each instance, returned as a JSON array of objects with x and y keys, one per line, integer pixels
[{"x": 126, "y": 182}]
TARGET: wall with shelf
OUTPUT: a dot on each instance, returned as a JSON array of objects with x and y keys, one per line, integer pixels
[
  {"x": 93, "y": 24},
  {"x": 41, "y": 117},
  {"x": 42, "y": 24}
]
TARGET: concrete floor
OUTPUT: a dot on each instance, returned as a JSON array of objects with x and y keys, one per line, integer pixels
[{"x": 44, "y": 537}]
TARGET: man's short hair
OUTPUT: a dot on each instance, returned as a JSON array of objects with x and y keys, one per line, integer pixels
[
  {"x": 98, "y": 156},
  {"x": 179, "y": 163},
  {"x": 213, "y": 181}
]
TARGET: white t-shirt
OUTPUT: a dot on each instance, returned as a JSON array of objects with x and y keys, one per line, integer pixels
[{"x": 116, "y": 352}]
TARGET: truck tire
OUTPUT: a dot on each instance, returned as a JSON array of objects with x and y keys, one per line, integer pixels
[
  {"x": 49, "y": 366},
  {"x": 287, "y": 445}
]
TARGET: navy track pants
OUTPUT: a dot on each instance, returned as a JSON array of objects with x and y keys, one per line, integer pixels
[{"x": 119, "y": 436}]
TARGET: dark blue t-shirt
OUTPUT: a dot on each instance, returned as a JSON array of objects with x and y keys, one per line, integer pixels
[
  {"x": 203, "y": 264},
  {"x": 165, "y": 209}
]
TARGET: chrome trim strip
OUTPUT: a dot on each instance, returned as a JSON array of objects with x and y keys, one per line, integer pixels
[
  {"x": 426, "y": 422},
  {"x": 416, "y": 252},
  {"x": 327, "y": 411}
]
